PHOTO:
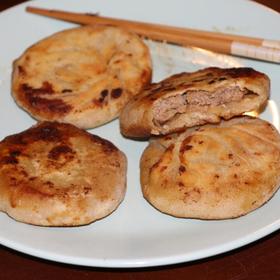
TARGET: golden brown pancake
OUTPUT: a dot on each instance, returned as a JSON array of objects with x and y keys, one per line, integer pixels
[
  {"x": 189, "y": 99},
  {"x": 83, "y": 76},
  {"x": 55, "y": 174},
  {"x": 214, "y": 171}
]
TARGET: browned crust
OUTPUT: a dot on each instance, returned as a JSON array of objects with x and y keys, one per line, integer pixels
[
  {"x": 52, "y": 77},
  {"x": 214, "y": 171},
  {"x": 54, "y": 174},
  {"x": 137, "y": 118}
]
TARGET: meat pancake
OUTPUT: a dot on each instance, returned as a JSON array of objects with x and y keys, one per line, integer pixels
[
  {"x": 214, "y": 171},
  {"x": 189, "y": 99},
  {"x": 56, "y": 174},
  {"x": 83, "y": 76}
]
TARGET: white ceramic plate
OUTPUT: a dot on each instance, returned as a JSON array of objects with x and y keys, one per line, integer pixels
[{"x": 137, "y": 235}]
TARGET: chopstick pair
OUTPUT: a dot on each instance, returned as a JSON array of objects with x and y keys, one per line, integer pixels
[{"x": 256, "y": 48}]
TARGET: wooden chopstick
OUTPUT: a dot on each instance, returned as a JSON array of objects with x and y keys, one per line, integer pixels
[{"x": 256, "y": 48}]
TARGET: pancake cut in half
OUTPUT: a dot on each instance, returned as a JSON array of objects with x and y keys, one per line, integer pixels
[
  {"x": 83, "y": 76},
  {"x": 55, "y": 174},
  {"x": 189, "y": 99},
  {"x": 217, "y": 171}
]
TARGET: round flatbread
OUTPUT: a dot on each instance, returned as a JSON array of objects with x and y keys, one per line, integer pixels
[
  {"x": 189, "y": 99},
  {"x": 56, "y": 174},
  {"x": 213, "y": 171},
  {"x": 83, "y": 76}
]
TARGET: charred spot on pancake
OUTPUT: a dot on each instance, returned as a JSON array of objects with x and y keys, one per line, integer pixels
[
  {"x": 241, "y": 72},
  {"x": 66, "y": 90},
  {"x": 32, "y": 96},
  {"x": 248, "y": 92},
  {"x": 34, "y": 99},
  {"x": 101, "y": 100},
  {"x": 103, "y": 94},
  {"x": 198, "y": 80},
  {"x": 49, "y": 184},
  {"x": 87, "y": 190},
  {"x": 163, "y": 168},
  {"x": 96, "y": 102},
  {"x": 107, "y": 146},
  {"x": 159, "y": 88},
  {"x": 13, "y": 180},
  {"x": 153, "y": 88},
  {"x": 157, "y": 164},
  {"x": 9, "y": 160},
  {"x": 185, "y": 145},
  {"x": 116, "y": 92},
  {"x": 49, "y": 105},
  {"x": 168, "y": 88},
  {"x": 17, "y": 139},
  {"x": 182, "y": 169},
  {"x": 167, "y": 137},
  {"x": 46, "y": 88},
  {"x": 170, "y": 148},
  {"x": 186, "y": 148},
  {"x": 117, "y": 61},
  {"x": 15, "y": 153},
  {"x": 181, "y": 184},
  {"x": 211, "y": 82},
  {"x": 62, "y": 150},
  {"x": 27, "y": 189},
  {"x": 46, "y": 132},
  {"x": 21, "y": 70}
]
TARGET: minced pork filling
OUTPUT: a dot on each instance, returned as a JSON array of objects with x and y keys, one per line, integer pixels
[{"x": 168, "y": 107}]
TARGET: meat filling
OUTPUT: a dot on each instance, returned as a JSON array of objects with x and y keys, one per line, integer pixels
[
  {"x": 167, "y": 108},
  {"x": 221, "y": 96}
]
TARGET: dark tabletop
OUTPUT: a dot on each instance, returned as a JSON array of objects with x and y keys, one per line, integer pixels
[{"x": 259, "y": 260}]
